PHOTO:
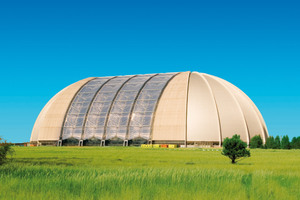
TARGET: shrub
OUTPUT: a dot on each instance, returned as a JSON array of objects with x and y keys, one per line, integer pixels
[
  {"x": 5, "y": 149},
  {"x": 235, "y": 148},
  {"x": 256, "y": 142}
]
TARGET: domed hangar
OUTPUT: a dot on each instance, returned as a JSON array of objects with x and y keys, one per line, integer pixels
[{"x": 187, "y": 108}]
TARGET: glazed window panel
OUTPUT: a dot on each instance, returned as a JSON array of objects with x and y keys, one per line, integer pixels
[
  {"x": 93, "y": 132},
  {"x": 79, "y": 107},
  {"x": 89, "y": 89},
  {"x": 118, "y": 107},
  {"x": 109, "y": 88},
  {"x": 102, "y": 103},
  {"x": 96, "y": 108},
  {"x": 74, "y": 109},
  {"x": 105, "y": 97},
  {"x": 92, "y": 121},
  {"x": 111, "y": 132},
  {"x": 151, "y": 106},
  {"x": 124, "y": 104},
  {"x": 98, "y": 132},
  {"x": 146, "y": 102},
  {"x": 163, "y": 77},
  {"x": 101, "y": 121},
  {"x": 126, "y": 96},
  {"x": 67, "y": 133},
  {"x": 154, "y": 86},
  {"x": 89, "y": 133},
  {"x": 114, "y": 119},
  {"x": 144, "y": 132},
  {"x": 124, "y": 120},
  {"x": 99, "y": 107},
  {"x": 148, "y": 94},
  {"x": 71, "y": 133},
  {"x": 147, "y": 120},
  {"x": 133, "y": 87},
  {"x": 134, "y": 132},
  {"x": 73, "y": 120},
  {"x": 136, "y": 119}
]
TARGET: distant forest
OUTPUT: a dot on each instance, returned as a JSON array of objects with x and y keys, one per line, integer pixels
[{"x": 275, "y": 143}]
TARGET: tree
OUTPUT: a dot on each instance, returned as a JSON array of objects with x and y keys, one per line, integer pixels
[
  {"x": 256, "y": 142},
  {"x": 5, "y": 149},
  {"x": 235, "y": 148},
  {"x": 295, "y": 144},
  {"x": 285, "y": 142},
  {"x": 277, "y": 142},
  {"x": 270, "y": 143}
]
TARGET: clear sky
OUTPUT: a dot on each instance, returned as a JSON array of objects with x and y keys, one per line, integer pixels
[{"x": 47, "y": 45}]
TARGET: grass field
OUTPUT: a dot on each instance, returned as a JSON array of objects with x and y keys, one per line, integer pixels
[{"x": 136, "y": 173}]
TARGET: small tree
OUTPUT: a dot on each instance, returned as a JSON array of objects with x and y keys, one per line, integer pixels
[
  {"x": 285, "y": 142},
  {"x": 256, "y": 142},
  {"x": 5, "y": 149},
  {"x": 277, "y": 142},
  {"x": 270, "y": 143},
  {"x": 235, "y": 148},
  {"x": 295, "y": 144}
]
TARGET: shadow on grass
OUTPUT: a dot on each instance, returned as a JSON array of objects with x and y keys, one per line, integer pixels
[
  {"x": 189, "y": 163},
  {"x": 244, "y": 163},
  {"x": 51, "y": 161}
]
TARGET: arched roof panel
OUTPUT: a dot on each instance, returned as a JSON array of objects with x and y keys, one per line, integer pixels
[
  {"x": 170, "y": 116},
  {"x": 53, "y": 115}
]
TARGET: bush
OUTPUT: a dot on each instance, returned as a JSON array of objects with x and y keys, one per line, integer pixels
[
  {"x": 5, "y": 149},
  {"x": 235, "y": 148},
  {"x": 256, "y": 142}
]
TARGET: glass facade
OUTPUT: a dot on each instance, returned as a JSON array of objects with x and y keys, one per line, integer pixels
[
  {"x": 115, "y": 108},
  {"x": 119, "y": 115},
  {"x": 97, "y": 117},
  {"x": 79, "y": 107},
  {"x": 141, "y": 120}
]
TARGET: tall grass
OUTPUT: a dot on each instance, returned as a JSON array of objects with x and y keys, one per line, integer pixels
[{"x": 134, "y": 173}]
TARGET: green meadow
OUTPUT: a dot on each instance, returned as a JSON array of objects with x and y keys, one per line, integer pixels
[{"x": 136, "y": 173}]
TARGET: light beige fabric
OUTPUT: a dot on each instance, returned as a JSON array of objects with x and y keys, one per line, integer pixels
[
  {"x": 253, "y": 117},
  {"x": 202, "y": 116},
  {"x": 231, "y": 117},
  {"x": 49, "y": 122},
  {"x": 170, "y": 116}
]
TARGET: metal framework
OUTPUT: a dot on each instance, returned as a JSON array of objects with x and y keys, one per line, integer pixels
[
  {"x": 77, "y": 112},
  {"x": 115, "y": 108},
  {"x": 101, "y": 107},
  {"x": 133, "y": 106},
  {"x": 89, "y": 108},
  {"x": 65, "y": 117}
]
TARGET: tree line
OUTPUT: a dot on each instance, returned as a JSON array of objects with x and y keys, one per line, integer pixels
[{"x": 275, "y": 143}]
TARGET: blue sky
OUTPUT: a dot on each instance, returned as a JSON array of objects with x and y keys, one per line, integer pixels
[{"x": 47, "y": 45}]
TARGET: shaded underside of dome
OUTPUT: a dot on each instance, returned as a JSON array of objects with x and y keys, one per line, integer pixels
[{"x": 181, "y": 108}]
